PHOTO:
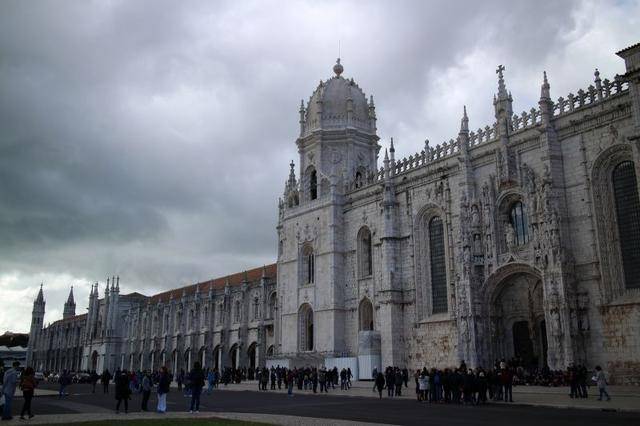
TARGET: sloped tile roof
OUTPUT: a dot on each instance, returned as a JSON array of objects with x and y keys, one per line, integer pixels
[{"x": 218, "y": 283}]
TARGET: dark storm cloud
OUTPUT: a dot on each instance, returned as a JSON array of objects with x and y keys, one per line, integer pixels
[{"x": 152, "y": 139}]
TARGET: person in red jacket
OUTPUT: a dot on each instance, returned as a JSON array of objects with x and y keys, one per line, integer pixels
[
  {"x": 506, "y": 378},
  {"x": 28, "y": 385}
]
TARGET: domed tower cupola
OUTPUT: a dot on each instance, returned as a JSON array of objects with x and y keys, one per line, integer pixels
[
  {"x": 337, "y": 135},
  {"x": 337, "y": 103}
]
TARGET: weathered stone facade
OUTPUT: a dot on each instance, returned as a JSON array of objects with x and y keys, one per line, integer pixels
[
  {"x": 506, "y": 241},
  {"x": 519, "y": 239},
  {"x": 225, "y": 322}
]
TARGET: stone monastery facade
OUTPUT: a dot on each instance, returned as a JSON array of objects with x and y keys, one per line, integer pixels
[{"x": 521, "y": 238}]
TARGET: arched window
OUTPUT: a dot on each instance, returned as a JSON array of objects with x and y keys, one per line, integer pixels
[
  {"x": 273, "y": 301},
  {"x": 365, "y": 312},
  {"x": 256, "y": 308},
  {"x": 438, "y": 269},
  {"x": 358, "y": 179},
  {"x": 518, "y": 220},
  {"x": 270, "y": 351},
  {"x": 625, "y": 192},
  {"x": 305, "y": 328},
  {"x": 237, "y": 312},
  {"x": 179, "y": 321},
  {"x": 313, "y": 185},
  {"x": 365, "y": 264},
  {"x": 308, "y": 265},
  {"x": 220, "y": 313}
]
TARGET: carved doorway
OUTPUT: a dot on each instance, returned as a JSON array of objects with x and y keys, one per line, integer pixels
[
  {"x": 522, "y": 343},
  {"x": 518, "y": 328},
  {"x": 251, "y": 354}
]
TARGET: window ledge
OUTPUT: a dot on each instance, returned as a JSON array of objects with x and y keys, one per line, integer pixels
[{"x": 434, "y": 318}]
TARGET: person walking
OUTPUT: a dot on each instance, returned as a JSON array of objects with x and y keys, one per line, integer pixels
[
  {"x": 9, "y": 383},
  {"x": 94, "y": 380},
  {"x": 601, "y": 381},
  {"x": 196, "y": 383},
  {"x": 146, "y": 385},
  {"x": 390, "y": 381},
  {"x": 105, "y": 379},
  {"x": 180, "y": 379},
  {"x": 122, "y": 391},
  {"x": 290, "y": 383},
  {"x": 211, "y": 381},
  {"x": 507, "y": 382},
  {"x": 380, "y": 384},
  {"x": 64, "y": 381},
  {"x": 163, "y": 390},
  {"x": 28, "y": 385}
]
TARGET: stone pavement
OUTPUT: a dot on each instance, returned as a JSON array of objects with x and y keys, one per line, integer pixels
[
  {"x": 274, "y": 419},
  {"x": 623, "y": 398}
]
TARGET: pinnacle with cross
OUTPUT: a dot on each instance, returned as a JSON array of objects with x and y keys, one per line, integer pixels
[{"x": 502, "y": 90}]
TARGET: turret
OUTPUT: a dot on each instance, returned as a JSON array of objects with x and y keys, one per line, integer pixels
[
  {"x": 69, "y": 306},
  {"x": 502, "y": 103},
  {"x": 37, "y": 322}
]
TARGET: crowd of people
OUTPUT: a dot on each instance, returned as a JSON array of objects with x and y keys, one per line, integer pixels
[{"x": 460, "y": 385}]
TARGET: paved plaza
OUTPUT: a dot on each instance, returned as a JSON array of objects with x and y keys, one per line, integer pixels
[{"x": 359, "y": 405}]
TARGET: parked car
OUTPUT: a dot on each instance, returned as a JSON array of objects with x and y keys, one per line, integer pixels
[{"x": 39, "y": 376}]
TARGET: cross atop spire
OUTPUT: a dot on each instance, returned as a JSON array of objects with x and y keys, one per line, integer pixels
[{"x": 502, "y": 89}]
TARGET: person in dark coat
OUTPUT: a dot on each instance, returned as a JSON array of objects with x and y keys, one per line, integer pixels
[
  {"x": 122, "y": 391},
  {"x": 105, "y": 379},
  {"x": 380, "y": 384},
  {"x": 163, "y": 389},
  {"x": 398, "y": 382},
  {"x": 390, "y": 381},
  {"x": 196, "y": 383},
  {"x": 146, "y": 386}
]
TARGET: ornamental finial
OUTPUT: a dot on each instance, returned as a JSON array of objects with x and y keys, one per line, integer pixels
[{"x": 338, "y": 68}]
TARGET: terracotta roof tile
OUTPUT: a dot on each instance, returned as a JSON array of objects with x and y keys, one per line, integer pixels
[
  {"x": 72, "y": 319},
  {"x": 217, "y": 283}
]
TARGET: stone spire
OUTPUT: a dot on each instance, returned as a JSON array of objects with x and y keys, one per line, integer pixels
[
  {"x": 545, "y": 103},
  {"x": 392, "y": 158},
  {"x": 502, "y": 88},
  {"x": 69, "y": 306},
  {"x": 40, "y": 297},
  {"x": 503, "y": 101},
  {"x": 302, "y": 112},
  {"x": 598, "y": 82},
  {"x": 544, "y": 89},
  {"x": 463, "y": 135},
  {"x": 464, "y": 123},
  {"x": 372, "y": 114}
]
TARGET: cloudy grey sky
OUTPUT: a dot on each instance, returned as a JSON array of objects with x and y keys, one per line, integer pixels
[{"x": 152, "y": 139}]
